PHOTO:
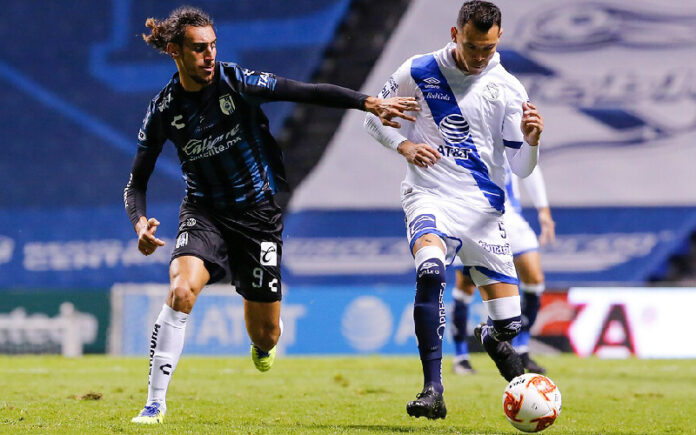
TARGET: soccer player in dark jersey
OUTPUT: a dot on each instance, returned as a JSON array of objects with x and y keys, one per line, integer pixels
[{"x": 229, "y": 224}]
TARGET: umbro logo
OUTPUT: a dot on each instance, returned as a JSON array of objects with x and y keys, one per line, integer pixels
[
  {"x": 432, "y": 81},
  {"x": 428, "y": 268}
]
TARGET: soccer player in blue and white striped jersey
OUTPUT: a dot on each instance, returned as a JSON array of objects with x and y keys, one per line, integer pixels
[{"x": 474, "y": 116}]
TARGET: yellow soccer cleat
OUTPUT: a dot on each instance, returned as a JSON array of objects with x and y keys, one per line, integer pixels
[
  {"x": 263, "y": 360},
  {"x": 151, "y": 414}
]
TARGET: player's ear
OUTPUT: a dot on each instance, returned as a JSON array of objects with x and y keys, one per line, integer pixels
[
  {"x": 453, "y": 34},
  {"x": 173, "y": 49},
  {"x": 500, "y": 33}
]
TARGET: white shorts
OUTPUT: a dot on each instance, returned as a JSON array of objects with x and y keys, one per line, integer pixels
[
  {"x": 521, "y": 235},
  {"x": 479, "y": 239}
]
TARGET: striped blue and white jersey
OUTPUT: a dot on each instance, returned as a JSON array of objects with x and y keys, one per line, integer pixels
[{"x": 470, "y": 119}]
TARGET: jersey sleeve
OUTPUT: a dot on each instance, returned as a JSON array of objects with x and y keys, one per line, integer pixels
[
  {"x": 516, "y": 95},
  {"x": 400, "y": 84},
  {"x": 536, "y": 189},
  {"x": 151, "y": 138},
  {"x": 521, "y": 156},
  {"x": 262, "y": 87}
]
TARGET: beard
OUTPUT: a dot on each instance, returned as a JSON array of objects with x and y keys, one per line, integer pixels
[{"x": 202, "y": 80}]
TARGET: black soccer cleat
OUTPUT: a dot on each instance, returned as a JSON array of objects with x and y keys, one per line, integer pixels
[
  {"x": 429, "y": 403},
  {"x": 530, "y": 365},
  {"x": 508, "y": 361}
]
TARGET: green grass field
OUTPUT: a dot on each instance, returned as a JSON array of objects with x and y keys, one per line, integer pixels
[{"x": 334, "y": 395}]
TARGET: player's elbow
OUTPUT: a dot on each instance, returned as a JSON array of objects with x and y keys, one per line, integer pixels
[{"x": 522, "y": 171}]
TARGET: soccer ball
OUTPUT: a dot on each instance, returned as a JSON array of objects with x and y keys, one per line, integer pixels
[{"x": 531, "y": 402}]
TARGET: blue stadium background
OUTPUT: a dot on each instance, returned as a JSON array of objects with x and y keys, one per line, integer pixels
[{"x": 75, "y": 90}]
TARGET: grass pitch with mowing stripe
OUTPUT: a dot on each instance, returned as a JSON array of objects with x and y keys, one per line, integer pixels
[{"x": 327, "y": 395}]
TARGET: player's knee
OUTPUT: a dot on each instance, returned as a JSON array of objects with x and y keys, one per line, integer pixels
[
  {"x": 534, "y": 278},
  {"x": 182, "y": 297}
]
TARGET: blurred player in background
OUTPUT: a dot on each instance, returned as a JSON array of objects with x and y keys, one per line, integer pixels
[
  {"x": 474, "y": 116},
  {"x": 524, "y": 245},
  {"x": 229, "y": 224}
]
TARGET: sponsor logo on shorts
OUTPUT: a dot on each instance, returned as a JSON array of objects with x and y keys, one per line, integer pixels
[
  {"x": 496, "y": 249},
  {"x": 269, "y": 254},
  {"x": 182, "y": 240},
  {"x": 188, "y": 223}
]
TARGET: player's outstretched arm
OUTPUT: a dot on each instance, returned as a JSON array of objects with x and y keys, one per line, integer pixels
[
  {"x": 389, "y": 108},
  {"x": 326, "y": 94}
]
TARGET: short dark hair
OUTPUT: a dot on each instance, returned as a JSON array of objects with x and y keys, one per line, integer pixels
[
  {"x": 483, "y": 15},
  {"x": 173, "y": 28}
]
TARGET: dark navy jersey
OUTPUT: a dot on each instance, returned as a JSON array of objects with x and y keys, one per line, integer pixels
[{"x": 228, "y": 157}]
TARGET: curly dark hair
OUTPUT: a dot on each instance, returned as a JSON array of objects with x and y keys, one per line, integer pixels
[
  {"x": 174, "y": 27},
  {"x": 483, "y": 15}
]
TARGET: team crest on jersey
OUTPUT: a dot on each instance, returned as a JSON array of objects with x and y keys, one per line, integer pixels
[
  {"x": 491, "y": 92},
  {"x": 227, "y": 104}
]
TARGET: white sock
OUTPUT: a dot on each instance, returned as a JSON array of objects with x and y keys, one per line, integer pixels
[
  {"x": 166, "y": 344},
  {"x": 503, "y": 308}
]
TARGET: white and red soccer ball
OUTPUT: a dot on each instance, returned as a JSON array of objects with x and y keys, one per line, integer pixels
[{"x": 531, "y": 402}]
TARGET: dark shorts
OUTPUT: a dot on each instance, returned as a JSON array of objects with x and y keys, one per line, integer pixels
[{"x": 240, "y": 246}]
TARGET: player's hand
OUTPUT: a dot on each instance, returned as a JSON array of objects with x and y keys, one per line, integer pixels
[
  {"x": 147, "y": 242},
  {"x": 419, "y": 154},
  {"x": 532, "y": 124},
  {"x": 548, "y": 227},
  {"x": 390, "y": 108}
]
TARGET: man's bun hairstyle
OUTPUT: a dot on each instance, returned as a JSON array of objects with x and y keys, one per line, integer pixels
[{"x": 173, "y": 28}]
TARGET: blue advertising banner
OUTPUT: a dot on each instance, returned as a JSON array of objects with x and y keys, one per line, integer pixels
[
  {"x": 80, "y": 247},
  {"x": 317, "y": 320}
]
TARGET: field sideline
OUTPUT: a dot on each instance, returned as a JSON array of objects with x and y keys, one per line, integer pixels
[{"x": 327, "y": 395}]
